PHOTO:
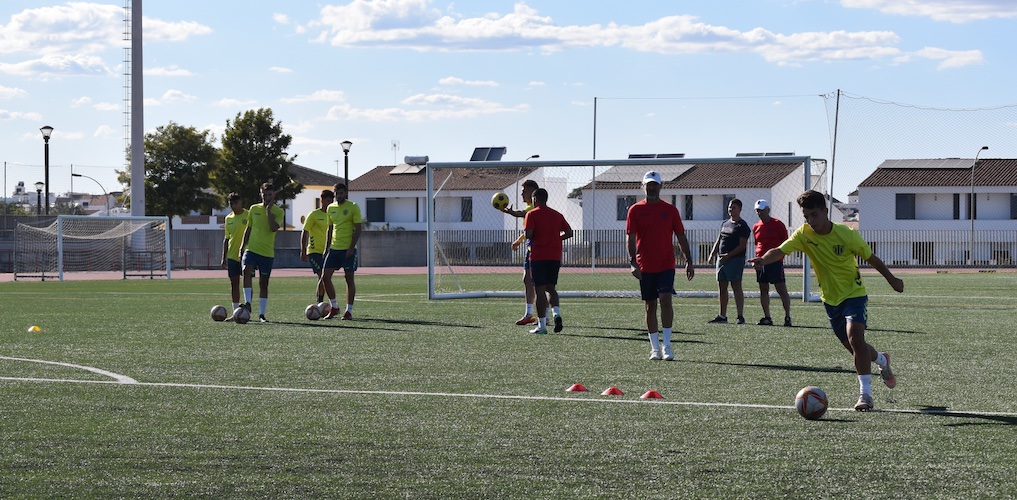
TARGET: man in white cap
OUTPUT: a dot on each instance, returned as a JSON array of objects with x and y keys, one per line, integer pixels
[
  {"x": 770, "y": 233},
  {"x": 651, "y": 226}
]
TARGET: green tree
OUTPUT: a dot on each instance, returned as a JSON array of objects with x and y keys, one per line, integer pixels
[
  {"x": 13, "y": 209},
  {"x": 178, "y": 163},
  {"x": 254, "y": 152}
]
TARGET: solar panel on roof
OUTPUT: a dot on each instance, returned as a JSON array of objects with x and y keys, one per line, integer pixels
[{"x": 488, "y": 154}]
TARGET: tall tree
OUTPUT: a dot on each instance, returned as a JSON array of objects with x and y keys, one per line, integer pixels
[
  {"x": 178, "y": 163},
  {"x": 253, "y": 152}
]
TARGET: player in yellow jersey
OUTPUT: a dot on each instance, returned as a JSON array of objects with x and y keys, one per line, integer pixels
[
  {"x": 314, "y": 236},
  {"x": 264, "y": 220},
  {"x": 343, "y": 234},
  {"x": 832, "y": 248},
  {"x": 235, "y": 225}
]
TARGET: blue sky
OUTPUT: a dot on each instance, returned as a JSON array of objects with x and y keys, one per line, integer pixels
[{"x": 440, "y": 78}]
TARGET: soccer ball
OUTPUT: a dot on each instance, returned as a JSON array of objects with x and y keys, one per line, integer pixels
[
  {"x": 312, "y": 313},
  {"x": 811, "y": 402},
  {"x": 241, "y": 315},
  {"x": 500, "y": 201},
  {"x": 218, "y": 313},
  {"x": 324, "y": 308}
]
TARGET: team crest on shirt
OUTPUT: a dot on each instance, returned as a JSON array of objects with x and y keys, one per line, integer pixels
[
  {"x": 346, "y": 211},
  {"x": 838, "y": 249}
]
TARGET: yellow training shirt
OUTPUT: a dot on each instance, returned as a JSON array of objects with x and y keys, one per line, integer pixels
[{"x": 833, "y": 259}]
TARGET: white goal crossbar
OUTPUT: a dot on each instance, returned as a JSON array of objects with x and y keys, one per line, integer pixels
[
  {"x": 469, "y": 254},
  {"x": 133, "y": 246}
]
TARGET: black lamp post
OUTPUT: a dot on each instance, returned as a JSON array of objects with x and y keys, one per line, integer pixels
[
  {"x": 38, "y": 197},
  {"x": 346, "y": 157},
  {"x": 104, "y": 192},
  {"x": 46, "y": 132}
]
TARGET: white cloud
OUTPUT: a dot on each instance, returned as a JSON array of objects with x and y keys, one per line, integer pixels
[
  {"x": 452, "y": 80},
  {"x": 12, "y": 92},
  {"x": 318, "y": 96},
  {"x": 281, "y": 70},
  {"x": 425, "y": 107},
  {"x": 172, "y": 70},
  {"x": 954, "y": 11},
  {"x": 81, "y": 101},
  {"x": 157, "y": 30},
  {"x": 952, "y": 58},
  {"x": 104, "y": 131},
  {"x": 19, "y": 115},
  {"x": 414, "y": 25},
  {"x": 54, "y": 65},
  {"x": 234, "y": 103},
  {"x": 281, "y": 18},
  {"x": 174, "y": 95}
]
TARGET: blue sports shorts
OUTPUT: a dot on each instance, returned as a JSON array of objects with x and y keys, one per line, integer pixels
[
  {"x": 258, "y": 263},
  {"x": 853, "y": 309}
]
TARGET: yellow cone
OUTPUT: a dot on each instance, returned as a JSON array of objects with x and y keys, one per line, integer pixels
[{"x": 34, "y": 329}]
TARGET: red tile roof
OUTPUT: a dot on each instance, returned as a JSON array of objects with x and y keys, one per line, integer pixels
[{"x": 942, "y": 173}]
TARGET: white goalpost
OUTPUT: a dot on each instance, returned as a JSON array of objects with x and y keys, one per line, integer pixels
[
  {"x": 133, "y": 246},
  {"x": 470, "y": 243}
]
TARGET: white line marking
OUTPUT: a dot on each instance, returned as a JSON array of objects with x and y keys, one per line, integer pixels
[
  {"x": 578, "y": 399},
  {"x": 121, "y": 379}
]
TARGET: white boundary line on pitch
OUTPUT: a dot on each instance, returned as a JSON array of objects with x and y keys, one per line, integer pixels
[
  {"x": 120, "y": 379},
  {"x": 485, "y": 396}
]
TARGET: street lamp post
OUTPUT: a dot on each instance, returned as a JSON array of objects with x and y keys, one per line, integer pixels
[
  {"x": 46, "y": 132},
  {"x": 38, "y": 197},
  {"x": 104, "y": 192},
  {"x": 346, "y": 157},
  {"x": 971, "y": 209}
]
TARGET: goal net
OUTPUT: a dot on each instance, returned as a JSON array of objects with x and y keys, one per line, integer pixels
[
  {"x": 470, "y": 250},
  {"x": 133, "y": 246}
]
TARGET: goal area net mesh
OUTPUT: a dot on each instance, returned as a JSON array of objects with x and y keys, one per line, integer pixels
[
  {"x": 470, "y": 250},
  {"x": 132, "y": 246}
]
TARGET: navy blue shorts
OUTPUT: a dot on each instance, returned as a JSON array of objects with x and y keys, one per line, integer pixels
[
  {"x": 258, "y": 263},
  {"x": 544, "y": 272},
  {"x": 772, "y": 273},
  {"x": 654, "y": 284},
  {"x": 233, "y": 268},
  {"x": 317, "y": 262},
  {"x": 526, "y": 260},
  {"x": 337, "y": 259},
  {"x": 732, "y": 270},
  {"x": 853, "y": 309}
]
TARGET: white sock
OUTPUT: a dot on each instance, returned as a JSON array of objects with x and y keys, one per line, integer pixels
[
  {"x": 262, "y": 305},
  {"x": 529, "y": 309},
  {"x": 349, "y": 308},
  {"x": 865, "y": 381},
  {"x": 335, "y": 303},
  {"x": 654, "y": 341},
  {"x": 542, "y": 322},
  {"x": 247, "y": 294},
  {"x": 666, "y": 333},
  {"x": 556, "y": 310},
  {"x": 236, "y": 305},
  {"x": 881, "y": 360}
]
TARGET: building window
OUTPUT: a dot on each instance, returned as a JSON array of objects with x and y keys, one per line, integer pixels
[
  {"x": 956, "y": 206},
  {"x": 624, "y": 202},
  {"x": 466, "y": 209},
  {"x": 375, "y": 209},
  {"x": 905, "y": 206},
  {"x": 688, "y": 207},
  {"x": 1013, "y": 206}
]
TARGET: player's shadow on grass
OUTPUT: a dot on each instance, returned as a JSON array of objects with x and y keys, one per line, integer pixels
[
  {"x": 417, "y": 322},
  {"x": 792, "y": 368},
  {"x": 636, "y": 334},
  {"x": 941, "y": 411}
]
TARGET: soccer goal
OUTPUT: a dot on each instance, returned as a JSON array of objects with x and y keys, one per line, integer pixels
[
  {"x": 134, "y": 246},
  {"x": 470, "y": 250}
]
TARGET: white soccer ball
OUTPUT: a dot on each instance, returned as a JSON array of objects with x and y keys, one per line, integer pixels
[
  {"x": 811, "y": 402},
  {"x": 312, "y": 313},
  {"x": 218, "y": 313},
  {"x": 324, "y": 308},
  {"x": 241, "y": 315}
]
